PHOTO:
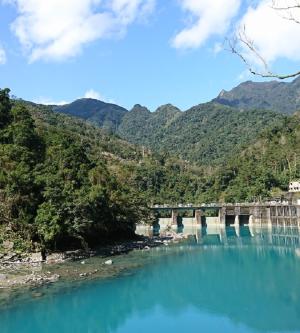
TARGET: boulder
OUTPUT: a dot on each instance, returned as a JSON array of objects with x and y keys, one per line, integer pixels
[
  {"x": 8, "y": 245},
  {"x": 3, "y": 277},
  {"x": 36, "y": 257}
]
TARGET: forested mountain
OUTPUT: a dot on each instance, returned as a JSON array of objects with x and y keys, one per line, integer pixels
[
  {"x": 281, "y": 97},
  {"x": 106, "y": 115},
  {"x": 262, "y": 169},
  {"x": 65, "y": 183},
  {"x": 206, "y": 134},
  {"x": 143, "y": 127},
  {"x": 53, "y": 192}
]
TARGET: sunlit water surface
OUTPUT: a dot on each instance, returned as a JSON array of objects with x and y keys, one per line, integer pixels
[{"x": 216, "y": 282}]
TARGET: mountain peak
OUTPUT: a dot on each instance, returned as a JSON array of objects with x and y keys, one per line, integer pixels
[
  {"x": 282, "y": 97},
  {"x": 103, "y": 114},
  {"x": 222, "y": 93},
  {"x": 139, "y": 108},
  {"x": 167, "y": 108}
]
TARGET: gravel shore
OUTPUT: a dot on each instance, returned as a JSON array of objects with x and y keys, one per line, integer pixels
[{"x": 28, "y": 269}]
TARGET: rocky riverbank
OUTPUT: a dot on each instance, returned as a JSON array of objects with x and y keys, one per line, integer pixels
[{"x": 28, "y": 269}]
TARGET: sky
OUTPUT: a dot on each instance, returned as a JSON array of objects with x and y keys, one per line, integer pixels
[{"x": 150, "y": 52}]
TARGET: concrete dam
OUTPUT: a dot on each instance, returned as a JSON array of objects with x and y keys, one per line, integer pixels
[{"x": 222, "y": 215}]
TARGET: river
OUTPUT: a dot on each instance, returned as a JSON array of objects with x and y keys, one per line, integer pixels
[{"x": 210, "y": 283}]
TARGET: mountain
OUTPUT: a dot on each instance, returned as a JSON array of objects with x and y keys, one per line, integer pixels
[
  {"x": 282, "y": 97},
  {"x": 155, "y": 177},
  {"x": 140, "y": 126},
  {"x": 264, "y": 168},
  {"x": 206, "y": 134},
  {"x": 106, "y": 115},
  {"x": 65, "y": 183}
]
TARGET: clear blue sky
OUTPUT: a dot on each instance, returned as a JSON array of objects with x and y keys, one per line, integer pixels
[{"x": 135, "y": 61}]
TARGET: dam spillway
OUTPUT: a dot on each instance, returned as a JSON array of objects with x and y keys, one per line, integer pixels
[{"x": 222, "y": 215}]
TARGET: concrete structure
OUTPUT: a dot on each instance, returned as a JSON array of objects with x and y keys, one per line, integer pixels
[
  {"x": 294, "y": 186},
  {"x": 262, "y": 214}
]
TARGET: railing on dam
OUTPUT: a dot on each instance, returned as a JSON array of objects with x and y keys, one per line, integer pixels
[{"x": 263, "y": 213}]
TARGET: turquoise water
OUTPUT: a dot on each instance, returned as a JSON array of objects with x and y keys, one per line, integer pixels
[{"x": 223, "y": 283}]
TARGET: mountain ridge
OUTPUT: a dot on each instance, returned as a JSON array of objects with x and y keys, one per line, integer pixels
[
  {"x": 206, "y": 133},
  {"x": 283, "y": 97},
  {"x": 106, "y": 115}
]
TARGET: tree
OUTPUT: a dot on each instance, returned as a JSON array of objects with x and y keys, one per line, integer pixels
[
  {"x": 5, "y": 108},
  {"x": 288, "y": 10}
]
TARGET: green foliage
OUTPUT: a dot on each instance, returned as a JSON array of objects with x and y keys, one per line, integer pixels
[
  {"x": 66, "y": 183},
  {"x": 266, "y": 167},
  {"x": 5, "y": 107},
  {"x": 55, "y": 187},
  {"x": 278, "y": 96},
  {"x": 206, "y": 134},
  {"x": 106, "y": 115}
]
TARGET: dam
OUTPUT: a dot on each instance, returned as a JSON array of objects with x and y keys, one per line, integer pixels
[{"x": 267, "y": 214}]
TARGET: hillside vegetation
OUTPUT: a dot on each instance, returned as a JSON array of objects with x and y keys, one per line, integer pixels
[
  {"x": 106, "y": 115},
  {"x": 263, "y": 169},
  {"x": 206, "y": 134},
  {"x": 282, "y": 97},
  {"x": 65, "y": 183},
  {"x": 53, "y": 193}
]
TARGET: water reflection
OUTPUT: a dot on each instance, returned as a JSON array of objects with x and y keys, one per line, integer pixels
[
  {"x": 218, "y": 282},
  {"x": 281, "y": 236}
]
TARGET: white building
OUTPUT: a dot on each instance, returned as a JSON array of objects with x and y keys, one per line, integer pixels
[{"x": 294, "y": 186}]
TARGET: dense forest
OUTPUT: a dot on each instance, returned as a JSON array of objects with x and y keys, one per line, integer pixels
[
  {"x": 52, "y": 193},
  {"x": 265, "y": 168},
  {"x": 67, "y": 183},
  {"x": 206, "y": 134},
  {"x": 106, "y": 115}
]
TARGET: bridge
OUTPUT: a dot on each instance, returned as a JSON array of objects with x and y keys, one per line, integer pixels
[{"x": 265, "y": 214}]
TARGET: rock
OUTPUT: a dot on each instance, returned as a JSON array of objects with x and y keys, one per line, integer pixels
[
  {"x": 55, "y": 258},
  {"x": 108, "y": 262},
  {"x": 3, "y": 277},
  {"x": 53, "y": 278},
  {"x": 8, "y": 245},
  {"x": 9, "y": 256},
  {"x": 36, "y": 257}
]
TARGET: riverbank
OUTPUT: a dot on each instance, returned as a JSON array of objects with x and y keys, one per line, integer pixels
[{"x": 28, "y": 269}]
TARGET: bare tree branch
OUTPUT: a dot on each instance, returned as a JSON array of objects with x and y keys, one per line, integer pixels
[
  {"x": 287, "y": 12},
  {"x": 241, "y": 40},
  {"x": 287, "y": 7}
]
